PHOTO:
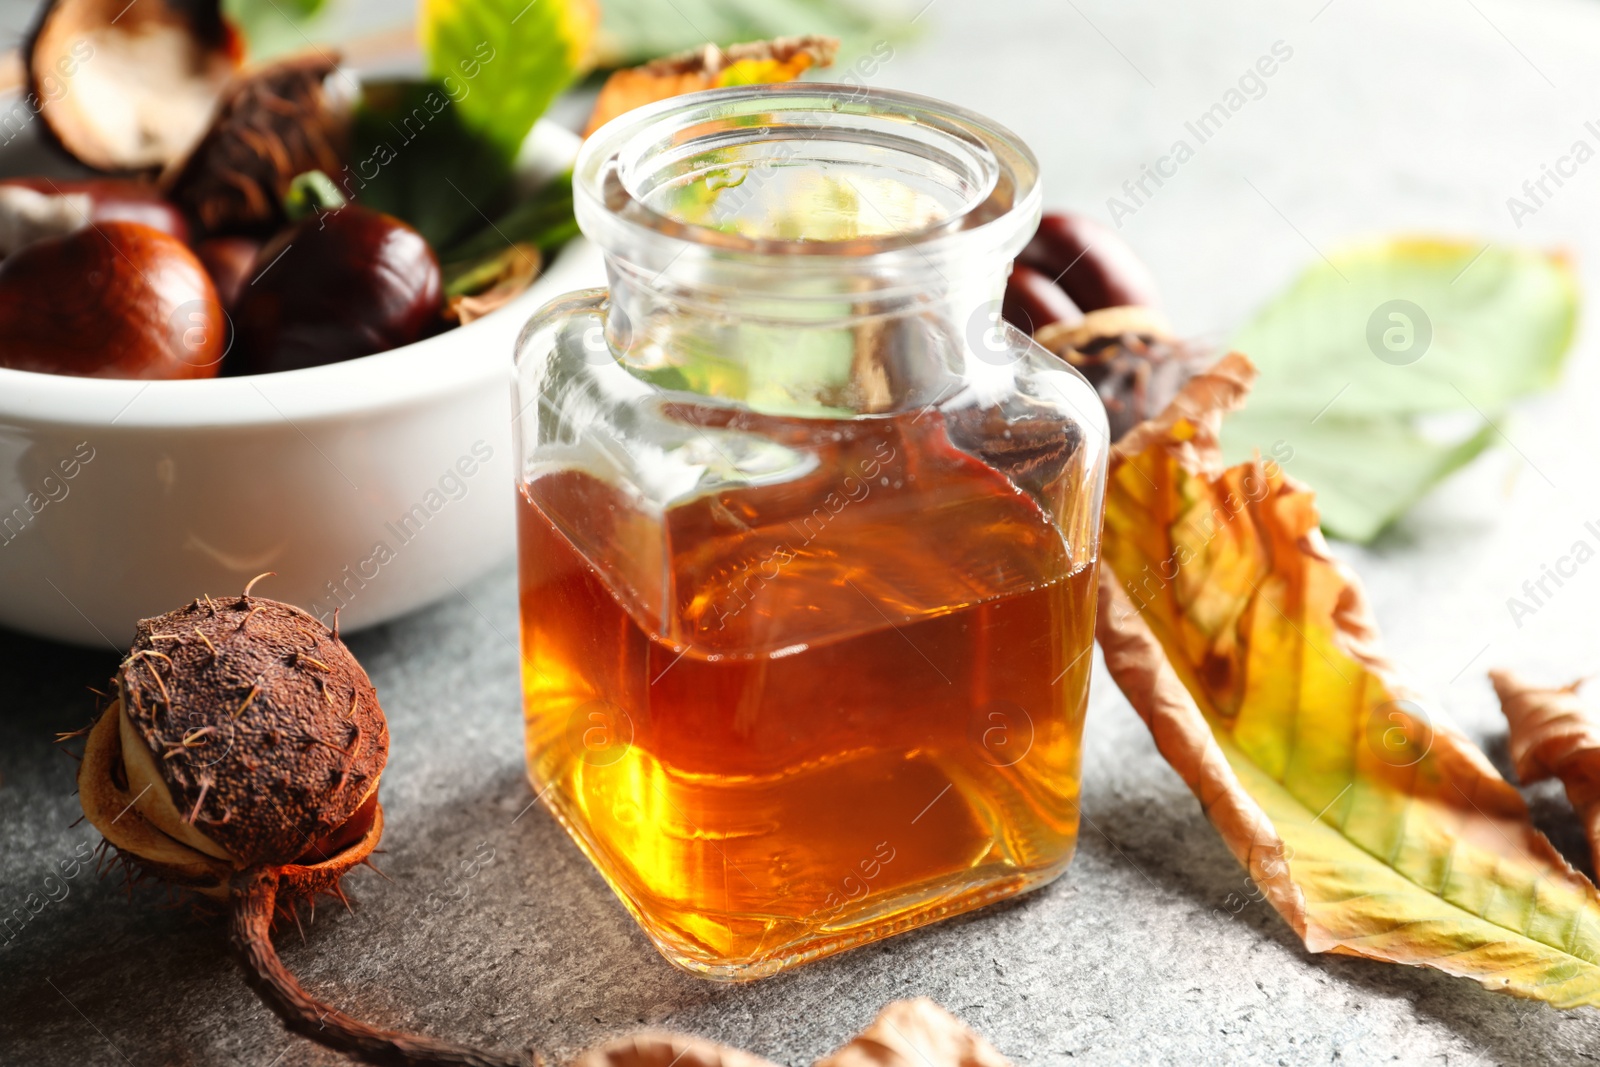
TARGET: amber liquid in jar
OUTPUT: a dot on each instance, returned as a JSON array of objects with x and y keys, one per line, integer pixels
[{"x": 789, "y": 718}]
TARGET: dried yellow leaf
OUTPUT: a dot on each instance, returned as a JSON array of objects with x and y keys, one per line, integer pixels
[
  {"x": 1370, "y": 823},
  {"x": 752, "y": 63}
]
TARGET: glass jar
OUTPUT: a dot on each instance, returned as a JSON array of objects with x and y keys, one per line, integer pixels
[{"x": 807, "y": 534}]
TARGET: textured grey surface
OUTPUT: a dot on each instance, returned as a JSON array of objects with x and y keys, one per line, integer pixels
[{"x": 1423, "y": 116}]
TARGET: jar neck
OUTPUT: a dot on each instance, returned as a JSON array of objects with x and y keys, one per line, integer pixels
[
  {"x": 804, "y": 248},
  {"x": 639, "y": 294}
]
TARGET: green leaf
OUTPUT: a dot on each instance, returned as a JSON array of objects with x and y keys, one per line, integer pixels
[
  {"x": 413, "y": 157},
  {"x": 1359, "y": 465},
  {"x": 1383, "y": 368},
  {"x": 273, "y": 27},
  {"x": 544, "y": 220},
  {"x": 633, "y": 31},
  {"x": 505, "y": 60}
]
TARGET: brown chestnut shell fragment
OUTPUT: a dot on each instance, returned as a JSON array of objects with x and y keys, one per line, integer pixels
[
  {"x": 267, "y": 730},
  {"x": 118, "y": 300},
  {"x": 336, "y": 286},
  {"x": 272, "y": 123}
]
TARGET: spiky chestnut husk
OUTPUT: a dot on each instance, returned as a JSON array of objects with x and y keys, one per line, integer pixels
[
  {"x": 240, "y": 758},
  {"x": 1130, "y": 357},
  {"x": 266, "y": 730},
  {"x": 271, "y": 123}
]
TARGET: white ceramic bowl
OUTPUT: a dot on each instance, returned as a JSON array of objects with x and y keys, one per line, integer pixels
[{"x": 374, "y": 486}]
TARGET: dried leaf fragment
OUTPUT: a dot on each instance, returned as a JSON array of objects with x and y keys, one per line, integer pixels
[
  {"x": 916, "y": 1033},
  {"x": 752, "y": 63},
  {"x": 492, "y": 283},
  {"x": 1372, "y": 825},
  {"x": 1552, "y": 734},
  {"x": 906, "y": 1033},
  {"x": 666, "y": 1050}
]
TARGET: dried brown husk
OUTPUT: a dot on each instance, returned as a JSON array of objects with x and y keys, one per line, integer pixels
[
  {"x": 272, "y": 123},
  {"x": 252, "y": 722},
  {"x": 916, "y": 1033},
  {"x": 906, "y": 1033},
  {"x": 1131, "y": 357},
  {"x": 243, "y": 733},
  {"x": 651, "y": 1049},
  {"x": 282, "y": 812}
]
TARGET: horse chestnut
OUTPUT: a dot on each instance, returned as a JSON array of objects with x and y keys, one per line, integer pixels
[
  {"x": 129, "y": 87},
  {"x": 231, "y": 262},
  {"x": 1088, "y": 260},
  {"x": 335, "y": 286},
  {"x": 115, "y": 300},
  {"x": 1033, "y": 300}
]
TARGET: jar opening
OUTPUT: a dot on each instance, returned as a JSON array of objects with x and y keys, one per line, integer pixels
[
  {"x": 806, "y": 176},
  {"x": 767, "y": 173}
]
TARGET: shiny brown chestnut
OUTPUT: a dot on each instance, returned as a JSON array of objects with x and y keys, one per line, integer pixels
[
  {"x": 1033, "y": 300},
  {"x": 112, "y": 200},
  {"x": 343, "y": 282},
  {"x": 115, "y": 300},
  {"x": 231, "y": 263},
  {"x": 1090, "y": 262}
]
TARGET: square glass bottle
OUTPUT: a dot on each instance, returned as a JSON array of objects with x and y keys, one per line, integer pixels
[{"x": 808, "y": 534}]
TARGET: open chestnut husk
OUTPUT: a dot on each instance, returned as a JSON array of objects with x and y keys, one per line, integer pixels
[
  {"x": 1131, "y": 358},
  {"x": 117, "y": 300},
  {"x": 343, "y": 282},
  {"x": 240, "y": 758},
  {"x": 164, "y": 63},
  {"x": 243, "y": 734}
]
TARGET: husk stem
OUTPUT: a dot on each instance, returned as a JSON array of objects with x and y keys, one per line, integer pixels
[{"x": 254, "y": 898}]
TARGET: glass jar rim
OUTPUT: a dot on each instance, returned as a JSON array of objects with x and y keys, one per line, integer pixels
[{"x": 999, "y": 175}]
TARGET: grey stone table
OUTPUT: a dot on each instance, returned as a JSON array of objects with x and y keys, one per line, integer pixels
[{"x": 1387, "y": 116}]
